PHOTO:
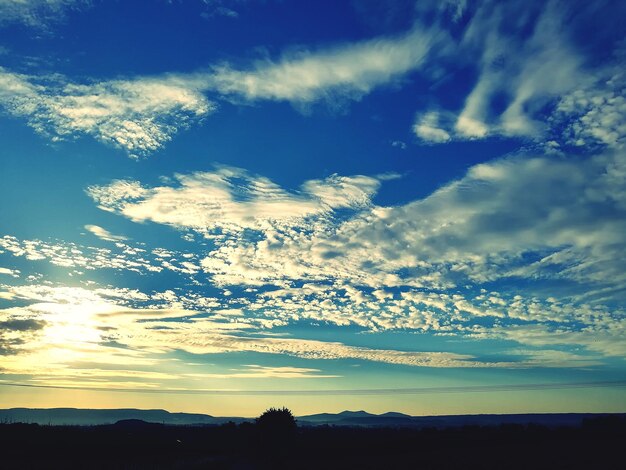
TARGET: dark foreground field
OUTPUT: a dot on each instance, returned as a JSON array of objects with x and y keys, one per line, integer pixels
[{"x": 598, "y": 444}]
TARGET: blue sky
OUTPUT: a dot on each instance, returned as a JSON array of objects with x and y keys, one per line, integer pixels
[{"x": 333, "y": 201}]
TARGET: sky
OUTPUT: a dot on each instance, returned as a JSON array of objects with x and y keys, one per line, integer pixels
[{"x": 219, "y": 206}]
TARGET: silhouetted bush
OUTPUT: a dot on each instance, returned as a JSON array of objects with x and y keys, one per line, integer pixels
[
  {"x": 276, "y": 431},
  {"x": 279, "y": 420}
]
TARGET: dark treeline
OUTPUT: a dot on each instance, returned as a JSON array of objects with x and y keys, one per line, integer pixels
[{"x": 598, "y": 443}]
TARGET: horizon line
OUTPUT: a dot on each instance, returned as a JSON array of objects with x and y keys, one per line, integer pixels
[{"x": 373, "y": 391}]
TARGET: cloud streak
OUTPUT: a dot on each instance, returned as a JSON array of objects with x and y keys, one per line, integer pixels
[
  {"x": 104, "y": 234},
  {"x": 351, "y": 70},
  {"x": 36, "y": 13}
]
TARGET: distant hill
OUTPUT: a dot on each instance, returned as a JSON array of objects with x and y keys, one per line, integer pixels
[
  {"x": 90, "y": 417},
  {"x": 393, "y": 419}
]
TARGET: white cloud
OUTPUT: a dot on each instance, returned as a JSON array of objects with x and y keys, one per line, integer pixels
[
  {"x": 10, "y": 272},
  {"x": 511, "y": 96},
  {"x": 223, "y": 204},
  {"x": 253, "y": 371},
  {"x": 466, "y": 231},
  {"x": 36, "y": 13},
  {"x": 104, "y": 234},
  {"x": 399, "y": 144},
  {"x": 607, "y": 339},
  {"x": 65, "y": 334},
  {"x": 548, "y": 220},
  {"x": 141, "y": 114},
  {"x": 427, "y": 128},
  {"x": 349, "y": 70},
  {"x": 119, "y": 256},
  {"x": 481, "y": 226},
  {"x": 523, "y": 68},
  {"x": 543, "y": 66},
  {"x": 231, "y": 199},
  {"x": 83, "y": 322},
  {"x": 311, "y": 349},
  {"x": 222, "y": 8},
  {"x": 594, "y": 115},
  {"x": 138, "y": 115}
]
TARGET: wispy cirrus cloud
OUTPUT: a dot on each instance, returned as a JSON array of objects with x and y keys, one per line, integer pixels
[
  {"x": 141, "y": 114},
  {"x": 350, "y": 70},
  {"x": 526, "y": 77},
  {"x": 37, "y": 13},
  {"x": 515, "y": 95},
  {"x": 606, "y": 339},
  {"x": 548, "y": 89}
]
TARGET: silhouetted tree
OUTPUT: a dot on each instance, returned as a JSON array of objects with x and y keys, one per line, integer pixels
[
  {"x": 276, "y": 431},
  {"x": 277, "y": 420}
]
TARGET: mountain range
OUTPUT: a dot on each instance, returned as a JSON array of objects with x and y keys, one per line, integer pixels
[{"x": 91, "y": 417}]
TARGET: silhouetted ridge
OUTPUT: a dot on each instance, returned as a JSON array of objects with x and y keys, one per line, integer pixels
[{"x": 90, "y": 417}]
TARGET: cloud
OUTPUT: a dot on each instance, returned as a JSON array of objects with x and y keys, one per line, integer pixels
[
  {"x": 482, "y": 226},
  {"x": 548, "y": 88},
  {"x": 535, "y": 93},
  {"x": 546, "y": 223},
  {"x": 120, "y": 256},
  {"x": 15, "y": 333},
  {"x": 67, "y": 335},
  {"x": 399, "y": 144},
  {"x": 10, "y": 272},
  {"x": 594, "y": 115},
  {"x": 221, "y": 8},
  {"x": 428, "y": 129},
  {"x": 607, "y": 340},
  {"x": 255, "y": 371},
  {"x": 229, "y": 205},
  {"x": 22, "y": 325},
  {"x": 36, "y": 13},
  {"x": 525, "y": 249},
  {"x": 464, "y": 232},
  {"x": 104, "y": 234},
  {"x": 311, "y": 349},
  {"x": 350, "y": 70},
  {"x": 544, "y": 66},
  {"x": 138, "y": 115},
  {"x": 141, "y": 114},
  {"x": 231, "y": 199},
  {"x": 85, "y": 321}
]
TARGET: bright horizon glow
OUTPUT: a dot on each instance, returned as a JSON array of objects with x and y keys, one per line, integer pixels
[
  {"x": 291, "y": 200},
  {"x": 551, "y": 400}
]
